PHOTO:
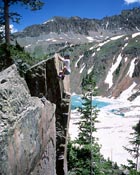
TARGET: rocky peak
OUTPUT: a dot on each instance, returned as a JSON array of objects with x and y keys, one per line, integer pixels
[{"x": 128, "y": 21}]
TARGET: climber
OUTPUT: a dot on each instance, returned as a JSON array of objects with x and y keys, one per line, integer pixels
[{"x": 66, "y": 65}]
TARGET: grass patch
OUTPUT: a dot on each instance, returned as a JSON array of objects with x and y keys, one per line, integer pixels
[{"x": 133, "y": 47}]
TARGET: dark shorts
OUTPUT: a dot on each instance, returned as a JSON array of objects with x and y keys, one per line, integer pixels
[{"x": 67, "y": 72}]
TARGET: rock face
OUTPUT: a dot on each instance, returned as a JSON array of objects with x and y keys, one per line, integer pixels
[
  {"x": 34, "y": 120},
  {"x": 27, "y": 129},
  {"x": 42, "y": 81}
]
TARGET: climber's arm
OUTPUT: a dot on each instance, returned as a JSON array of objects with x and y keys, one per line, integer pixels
[{"x": 59, "y": 57}]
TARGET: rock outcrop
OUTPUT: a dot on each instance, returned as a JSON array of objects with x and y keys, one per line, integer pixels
[
  {"x": 33, "y": 121},
  {"x": 43, "y": 82},
  {"x": 27, "y": 128}
]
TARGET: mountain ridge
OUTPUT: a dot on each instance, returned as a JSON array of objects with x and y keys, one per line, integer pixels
[
  {"x": 126, "y": 20},
  {"x": 106, "y": 48}
]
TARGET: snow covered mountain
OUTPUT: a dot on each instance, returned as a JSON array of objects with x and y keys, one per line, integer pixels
[
  {"x": 115, "y": 64},
  {"x": 42, "y": 38},
  {"x": 108, "y": 49}
]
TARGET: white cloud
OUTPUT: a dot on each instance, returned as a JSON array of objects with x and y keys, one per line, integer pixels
[
  {"x": 2, "y": 29},
  {"x": 12, "y": 28},
  {"x": 131, "y": 1}
]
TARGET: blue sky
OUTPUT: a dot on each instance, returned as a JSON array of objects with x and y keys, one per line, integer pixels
[{"x": 83, "y": 8}]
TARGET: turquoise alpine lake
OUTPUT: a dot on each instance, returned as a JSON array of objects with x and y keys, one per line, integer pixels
[{"x": 76, "y": 101}]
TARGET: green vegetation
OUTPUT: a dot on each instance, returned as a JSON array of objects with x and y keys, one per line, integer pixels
[
  {"x": 118, "y": 69},
  {"x": 6, "y": 15},
  {"x": 133, "y": 47},
  {"x": 134, "y": 150},
  {"x": 16, "y": 54},
  {"x": 23, "y": 59},
  {"x": 85, "y": 149},
  {"x": 102, "y": 58},
  {"x": 110, "y": 49},
  {"x": 84, "y": 157}
]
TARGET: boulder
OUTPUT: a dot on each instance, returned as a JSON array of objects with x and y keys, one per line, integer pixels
[{"x": 27, "y": 129}]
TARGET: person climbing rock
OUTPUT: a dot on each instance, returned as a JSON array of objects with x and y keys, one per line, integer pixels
[{"x": 66, "y": 65}]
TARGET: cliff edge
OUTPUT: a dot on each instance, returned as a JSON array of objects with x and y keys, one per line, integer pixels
[{"x": 33, "y": 121}]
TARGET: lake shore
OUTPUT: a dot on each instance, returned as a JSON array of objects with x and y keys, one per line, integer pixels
[{"x": 113, "y": 130}]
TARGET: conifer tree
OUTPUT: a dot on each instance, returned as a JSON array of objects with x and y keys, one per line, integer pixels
[
  {"x": 84, "y": 157},
  {"x": 86, "y": 148},
  {"x": 6, "y": 15},
  {"x": 134, "y": 150},
  {"x": 88, "y": 118}
]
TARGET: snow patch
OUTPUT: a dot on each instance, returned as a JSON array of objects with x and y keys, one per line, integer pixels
[
  {"x": 51, "y": 39},
  {"x": 107, "y": 24},
  {"x": 124, "y": 46},
  {"x": 93, "y": 54},
  {"x": 51, "y": 20},
  {"x": 109, "y": 78},
  {"x": 126, "y": 39},
  {"x": 135, "y": 34},
  {"x": 116, "y": 37},
  {"x": 126, "y": 58},
  {"x": 128, "y": 92},
  {"x": 131, "y": 68},
  {"x": 91, "y": 48},
  {"x": 137, "y": 29},
  {"x": 113, "y": 130},
  {"x": 136, "y": 101},
  {"x": 101, "y": 36},
  {"x": 76, "y": 64},
  {"x": 90, "y": 70},
  {"x": 54, "y": 40},
  {"x": 83, "y": 66},
  {"x": 103, "y": 43},
  {"x": 29, "y": 45},
  {"x": 90, "y": 38},
  {"x": 48, "y": 39}
]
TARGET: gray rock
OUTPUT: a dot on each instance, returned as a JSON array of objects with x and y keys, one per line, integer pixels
[{"x": 27, "y": 129}]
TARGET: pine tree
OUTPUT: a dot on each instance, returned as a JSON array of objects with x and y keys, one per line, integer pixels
[
  {"x": 88, "y": 118},
  {"x": 84, "y": 157},
  {"x": 134, "y": 150},
  {"x": 6, "y": 15},
  {"x": 86, "y": 147}
]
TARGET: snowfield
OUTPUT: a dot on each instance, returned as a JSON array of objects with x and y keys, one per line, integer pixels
[
  {"x": 117, "y": 119},
  {"x": 114, "y": 127}
]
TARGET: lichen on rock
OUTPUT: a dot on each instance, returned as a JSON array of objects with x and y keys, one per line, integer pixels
[{"x": 27, "y": 128}]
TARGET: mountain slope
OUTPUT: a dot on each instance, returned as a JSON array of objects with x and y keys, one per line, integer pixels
[
  {"x": 40, "y": 39},
  {"x": 115, "y": 64},
  {"x": 127, "y": 21},
  {"x": 108, "y": 49}
]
